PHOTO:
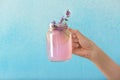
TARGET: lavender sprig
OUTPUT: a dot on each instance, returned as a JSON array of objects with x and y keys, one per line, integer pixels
[
  {"x": 68, "y": 13},
  {"x": 64, "y": 19},
  {"x": 53, "y": 22},
  {"x": 63, "y": 22}
]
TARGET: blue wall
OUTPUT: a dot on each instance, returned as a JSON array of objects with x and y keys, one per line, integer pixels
[{"x": 23, "y": 27}]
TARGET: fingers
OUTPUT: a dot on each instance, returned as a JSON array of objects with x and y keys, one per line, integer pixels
[
  {"x": 75, "y": 45},
  {"x": 75, "y": 40},
  {"x": 76, "y": 33},
  {"x": 79, "y": 35},
  {"x": 79, "y": 52},
  {"x": 79, "y": 43},
  {"x": 71, "y": 30},
  {"x": 73, "y": 35}
]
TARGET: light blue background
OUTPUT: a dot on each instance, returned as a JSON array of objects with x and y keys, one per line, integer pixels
[{"x": 23, "y": 27}]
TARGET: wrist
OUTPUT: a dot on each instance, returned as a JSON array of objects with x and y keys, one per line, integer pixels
[{"x": 95, "y": 54}]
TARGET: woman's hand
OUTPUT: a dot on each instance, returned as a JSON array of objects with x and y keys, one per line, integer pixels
[{"x": 82, "y": 46}]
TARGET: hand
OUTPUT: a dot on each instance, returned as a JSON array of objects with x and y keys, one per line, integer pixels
[{"x": 82, "y": 46}]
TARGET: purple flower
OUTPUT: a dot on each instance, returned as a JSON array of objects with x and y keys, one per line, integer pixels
[
  {"x": 62, "y": 24},
  {"x": 62, "y": 19},
  {"x": 68, "y": 13},
  {"x": 53, "y": 22}
]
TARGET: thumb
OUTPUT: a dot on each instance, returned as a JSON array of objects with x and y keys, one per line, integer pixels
[{"x": 77, "y": 33}]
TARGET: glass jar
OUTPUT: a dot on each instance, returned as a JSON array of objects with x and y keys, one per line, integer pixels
[{"x": 59, "y": 43}]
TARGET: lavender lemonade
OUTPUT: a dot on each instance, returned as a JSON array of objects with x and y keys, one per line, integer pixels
[{"x": 59, "y": 41}]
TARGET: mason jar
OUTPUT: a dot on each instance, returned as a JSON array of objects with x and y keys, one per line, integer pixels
[{"x": 59, "y": 43}]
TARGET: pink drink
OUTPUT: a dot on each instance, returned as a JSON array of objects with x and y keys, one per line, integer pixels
[
  {"x": 59, "y": 41},
  {"x": 59, "y": 45}
]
